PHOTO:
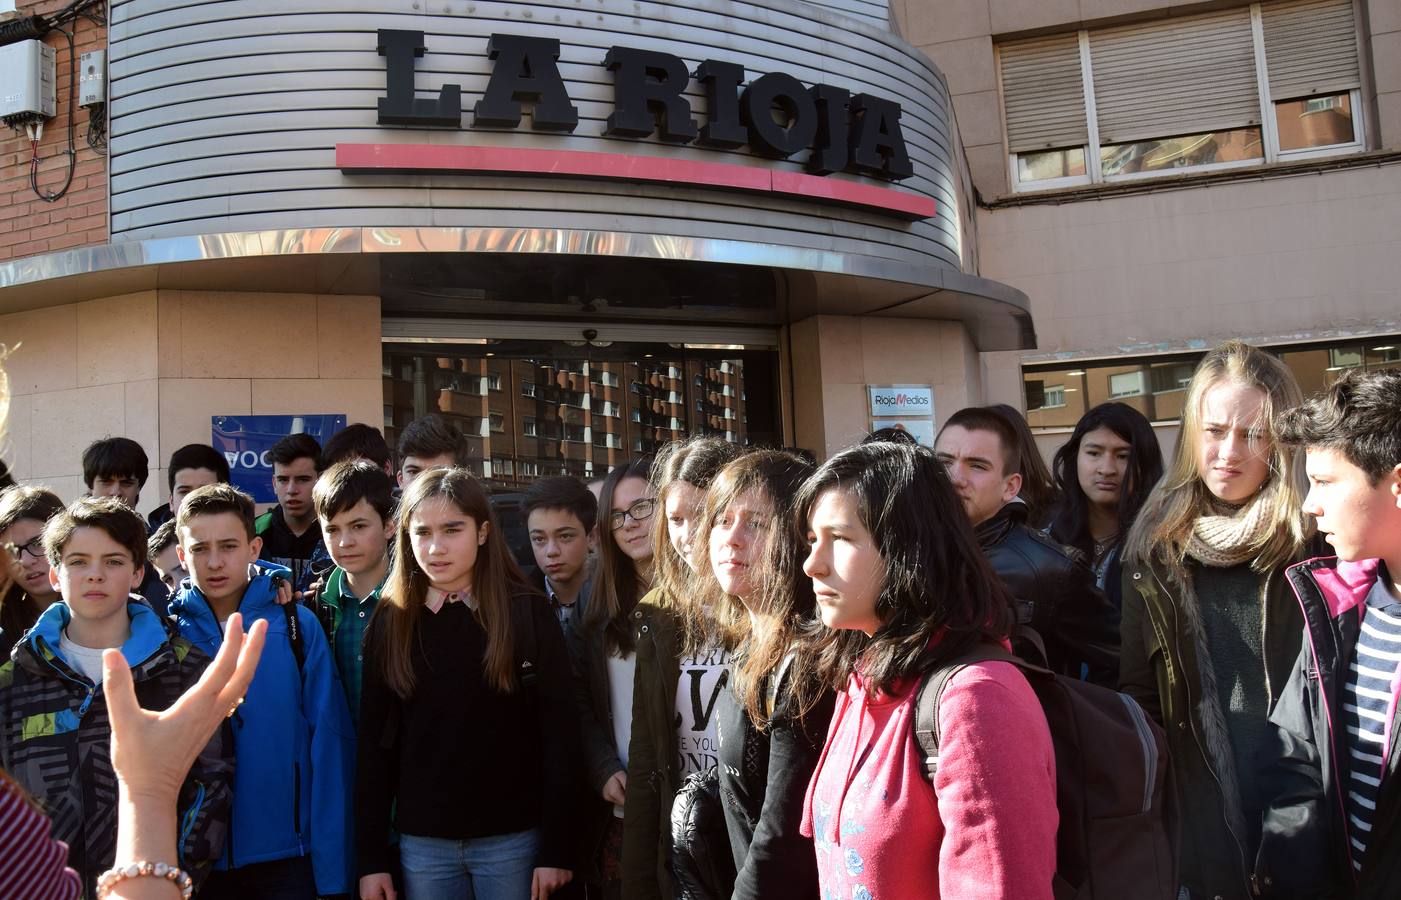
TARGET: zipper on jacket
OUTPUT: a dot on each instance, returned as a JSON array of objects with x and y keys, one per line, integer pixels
[
  {"x": 297, "y": 802},
  {"x": 1186, "y": 685},
  {"x": 1150, "y": 748},
  {"x": 188, "y": 825}
]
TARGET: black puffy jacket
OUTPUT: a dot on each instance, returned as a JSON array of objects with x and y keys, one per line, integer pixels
[
  {"x": 700, "y": 845},
  {"x": 1054, "y": 594}
]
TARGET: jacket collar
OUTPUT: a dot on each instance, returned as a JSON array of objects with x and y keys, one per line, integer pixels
[
  {"x": 258, "y": 597},
  {"x": 1344, "y": 585},
  {"x": 994, "y": 530},
  {"x": 148, "y": 637}
]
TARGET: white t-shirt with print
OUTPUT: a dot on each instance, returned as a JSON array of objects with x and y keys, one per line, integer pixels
[{"x": 703, "y": 676}]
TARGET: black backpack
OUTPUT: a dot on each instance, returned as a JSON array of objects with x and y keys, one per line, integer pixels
[{"x": 1118, "y": 809}]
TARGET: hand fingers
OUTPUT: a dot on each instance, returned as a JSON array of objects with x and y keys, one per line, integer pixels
[
  {"x": 122, "y": 705},
  {"x": 535, "y": 893},
  {"x": 247, "y": 664},
  {"x": 389, "y": 892}
]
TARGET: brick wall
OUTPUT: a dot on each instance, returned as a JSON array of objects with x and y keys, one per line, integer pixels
[{"x": 29, "y": 225}]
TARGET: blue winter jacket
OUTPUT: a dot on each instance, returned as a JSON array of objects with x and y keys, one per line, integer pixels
[{"x": 292, "y": 738}]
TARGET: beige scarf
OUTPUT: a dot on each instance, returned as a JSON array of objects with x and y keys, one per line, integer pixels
[{"x": 1227, "y": 535}]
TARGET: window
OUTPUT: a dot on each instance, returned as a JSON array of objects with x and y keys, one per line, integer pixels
[
  {"x": 575, "y": 433},
  {"x": 527, "y": 389},
  {"x": 1125, "y": 384},
  {"x": 1164, "y": 97},
  {"x": 637, "y": 415},
  {"x": 530, "y": 467},
  {"x": 493, "y": 381},
  {"x": 498, "y": 422},
  {"x": 1053, "y": 397},
  {"x": 1170, "y": 377},
  {"x": 502, "y": 466},
  {"x": 607, "y": 379},
  {"x": 528, "y": 426}
]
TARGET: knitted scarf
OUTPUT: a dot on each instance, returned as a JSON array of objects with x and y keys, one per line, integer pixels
[{"x": 1227, "y": 535}]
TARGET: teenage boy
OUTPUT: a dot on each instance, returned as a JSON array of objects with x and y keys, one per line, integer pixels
[
  {"x": 354, "y": 502},
  {"x": 560, "y": 514},
  {"x": 23, "y": 514},
  {"x": 432, "y": 442},
  {"x": 292, "y": 734},
  {"x": 288, "y": 530},
  {"x": 55, "y": 737},
  {"x": 358, "y": 441},
  {"x": 116, "y": 467},
  {"x": 1333, "y": 830},
  {"x": 1052, "y": 592},
  {"x": 164, "y": 555},
  {"x": 191, "y": 467}
]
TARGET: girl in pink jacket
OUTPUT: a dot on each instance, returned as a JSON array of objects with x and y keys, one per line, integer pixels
[{"x": 899, "y": 579}]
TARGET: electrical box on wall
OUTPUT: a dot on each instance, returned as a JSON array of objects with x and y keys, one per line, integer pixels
[
  {"x": 92, "y": 78},
  {"x": 27, "y": 79}
]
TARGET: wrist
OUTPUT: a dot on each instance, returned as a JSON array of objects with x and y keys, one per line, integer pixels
[{"x": 146, "y": 827}]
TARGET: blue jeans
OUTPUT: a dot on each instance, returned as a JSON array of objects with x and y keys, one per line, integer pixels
[{"x": 490, "y": 868}]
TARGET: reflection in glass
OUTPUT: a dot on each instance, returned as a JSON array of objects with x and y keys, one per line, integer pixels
[
  {"x": 1311, "y": 122},
  {"x": 1049, "y": 164},
  {"x": 1212, "y": 148}
]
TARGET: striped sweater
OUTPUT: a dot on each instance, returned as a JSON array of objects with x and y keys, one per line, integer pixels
[{"x": 1367, "y": 705}]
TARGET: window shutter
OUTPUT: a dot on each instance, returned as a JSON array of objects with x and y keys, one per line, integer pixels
[
  {"x": 1043, "y": 94},
  {"x": 1182, "y": 76},
  {"x": 1310, "y": 48}
]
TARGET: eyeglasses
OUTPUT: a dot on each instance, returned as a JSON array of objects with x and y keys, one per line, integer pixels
[
  {"x": 640, "y": 510},
  {"x": 34, "y": 548}
]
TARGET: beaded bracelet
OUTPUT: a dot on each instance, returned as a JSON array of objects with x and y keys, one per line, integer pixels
[{"x": 108, "y": 881}]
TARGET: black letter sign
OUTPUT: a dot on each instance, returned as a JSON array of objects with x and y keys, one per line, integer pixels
[
  {"x": 789, "y": 95},
  {"x": 830, "y": 153},
  {"x": 878, "y": 147},
  {"x": 524, "y": 71},
  {"x": 647, "y": 83},
  {"x": 721, "y": 81},
  {"x": 400, "y": 107}
]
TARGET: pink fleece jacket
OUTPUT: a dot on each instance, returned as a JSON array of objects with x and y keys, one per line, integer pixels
[{"x": 987, "y": 828}]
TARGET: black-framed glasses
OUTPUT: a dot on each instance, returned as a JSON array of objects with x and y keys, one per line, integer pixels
[
  {"x": 34, "y": 548},
  {"x": 639, "y": 510}
]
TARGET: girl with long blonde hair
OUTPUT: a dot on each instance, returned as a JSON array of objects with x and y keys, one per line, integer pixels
[
  {"x": 468, "y": 733},
  {"x": 1210, "y": 628}
]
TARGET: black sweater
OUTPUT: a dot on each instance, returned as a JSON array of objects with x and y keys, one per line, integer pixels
[
  {"x": 459, "y": 760},
  {"x": 763, "y": 778}
]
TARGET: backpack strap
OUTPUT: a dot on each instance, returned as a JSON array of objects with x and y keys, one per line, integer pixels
[
  {"x": 294, "y": 636},
  {"x": 931, "y": 690},
  {"x": 523, "y": 632}
]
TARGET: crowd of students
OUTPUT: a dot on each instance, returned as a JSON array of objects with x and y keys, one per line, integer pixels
[{"x": 738, "y": 673}]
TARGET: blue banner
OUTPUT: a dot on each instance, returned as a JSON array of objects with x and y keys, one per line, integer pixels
[{"x": 245, "y": 441}]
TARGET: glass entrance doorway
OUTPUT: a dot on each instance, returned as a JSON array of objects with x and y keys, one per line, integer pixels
[{"x": 577, "y": 407}]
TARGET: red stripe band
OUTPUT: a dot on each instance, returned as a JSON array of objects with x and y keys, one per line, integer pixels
[{"x": 457, "y": 159}]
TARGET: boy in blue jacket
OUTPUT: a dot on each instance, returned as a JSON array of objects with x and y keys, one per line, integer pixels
[{"x": 289, "y": 835}]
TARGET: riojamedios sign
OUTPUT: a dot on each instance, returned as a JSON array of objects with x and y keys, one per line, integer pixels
[{"x": 857, "y": 133}]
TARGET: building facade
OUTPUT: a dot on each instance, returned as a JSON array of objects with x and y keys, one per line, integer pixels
[{"x": 1159, "y": 176}]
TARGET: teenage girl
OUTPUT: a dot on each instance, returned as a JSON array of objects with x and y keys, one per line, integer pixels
[
  {"x": 603, "y": 650},
  {"x": 1211, "y": 627},
  {"x": 468, "y": 735},
  {"x": 899, "y": 577},
  {"x": 1103, "y": 475},
  {"x": 750, "y": 551},
  {"x": 664, "y": 721}
]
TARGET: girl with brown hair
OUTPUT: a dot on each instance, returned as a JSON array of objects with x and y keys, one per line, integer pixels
[{"x": 468, "y": 733}]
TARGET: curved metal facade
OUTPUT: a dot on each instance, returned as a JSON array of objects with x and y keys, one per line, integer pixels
[{"x": 225, "y": 117}]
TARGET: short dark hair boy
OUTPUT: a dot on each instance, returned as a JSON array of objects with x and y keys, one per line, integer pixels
[
  {"x": 430, "y": 442},
  {"x": 194, "y": 466},
  {"x": 358, "y": 441},
  {"x": 1052, "y": 588},
  {"x": 560, "y": 514},
  {"x": 1327, "y": 828},
  {"x": 355, "y": 505},
  {"x": 289, "y": 532},
  {"x": 116, "y": 467},
  {"x": 162, "y": 551},
  {"x": 97, "y": 547},
  {"x": 293, "y": 738}
]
